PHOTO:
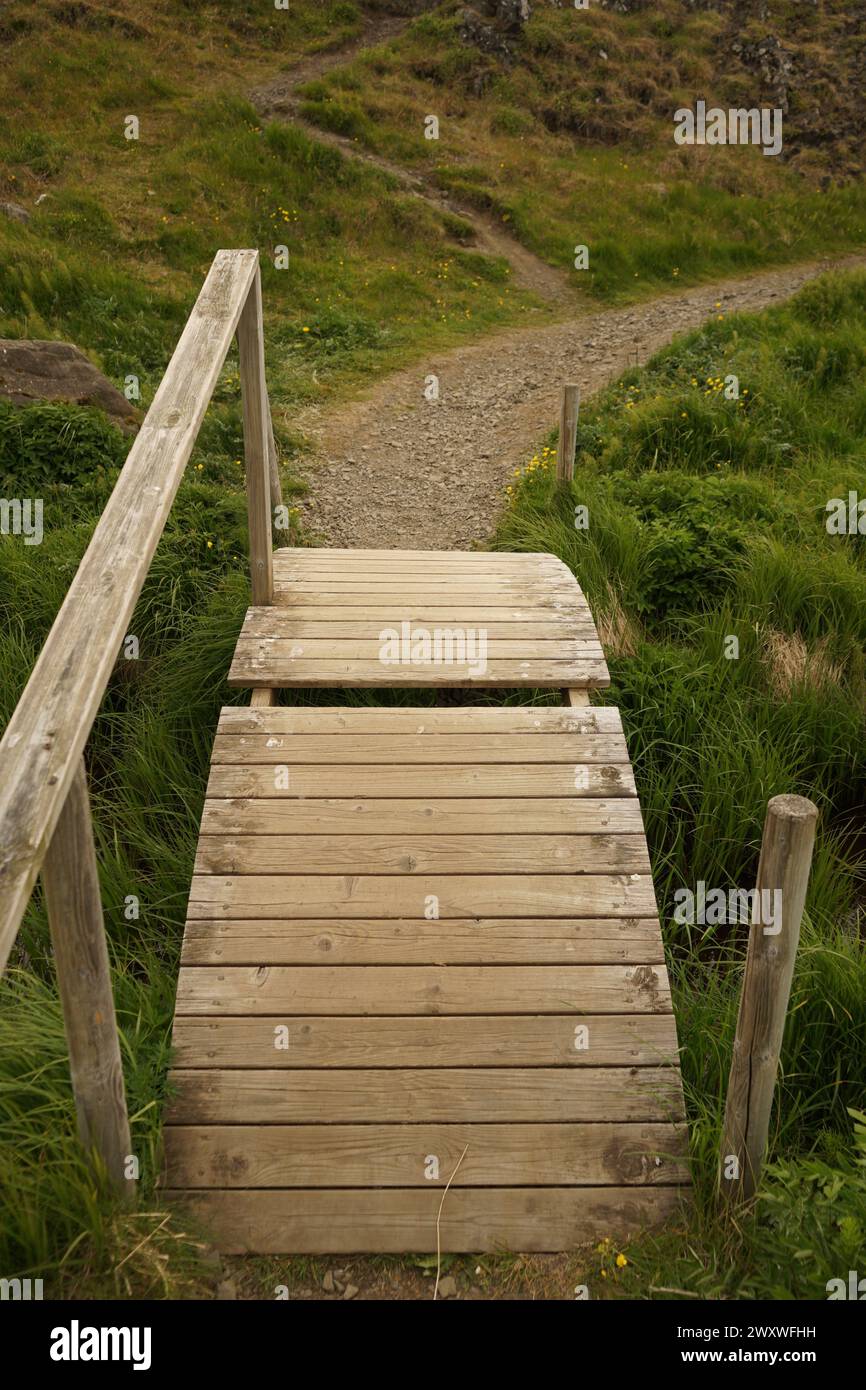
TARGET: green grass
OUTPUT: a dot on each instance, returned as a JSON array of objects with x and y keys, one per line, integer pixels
[
  {"x": 147, "y": 759},
  {"x": 707, "y": 520},
  {"x": 571, "y": 143},
  {"x": 123, "y": 231}
]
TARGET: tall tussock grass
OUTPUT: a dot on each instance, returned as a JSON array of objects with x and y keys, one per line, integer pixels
[{"x": 707, "y": 522}]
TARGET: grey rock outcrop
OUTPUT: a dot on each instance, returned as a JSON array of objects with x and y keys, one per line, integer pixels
[
  {"x": 32, "y": 370},
  {"x": 15, "y": 211}
]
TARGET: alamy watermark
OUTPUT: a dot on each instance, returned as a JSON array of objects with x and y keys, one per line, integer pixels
[
  {"x": 846, "y": 517},
  {"x": 717, "y": 907},
  {"x": 22, "y": 516},
  {"x": 439, "y": 646},
  {"x": 735, "y": 126},
  {"x": 77, "y": 1343},
  {"x": 21, "y": 1290},
  {"x": 854, "y": 1289}
]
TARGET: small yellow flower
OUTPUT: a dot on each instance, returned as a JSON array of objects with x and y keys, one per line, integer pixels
[
  {"x": 621, "y": 1261},
  {"x": 210, "y": 545}
]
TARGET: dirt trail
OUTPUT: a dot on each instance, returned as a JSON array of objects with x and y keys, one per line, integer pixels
[
  {"x": 279, "y": 99},
  {"x": 277, "y": 94},
  {"x": 396, "y": 470}
]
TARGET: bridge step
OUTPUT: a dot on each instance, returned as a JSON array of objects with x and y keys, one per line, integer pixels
[
  {"x": 421, "y": 941},
  {"x": 438, "y": 618}
]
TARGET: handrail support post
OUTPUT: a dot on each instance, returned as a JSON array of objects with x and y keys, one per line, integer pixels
[
  {"x": 71, "y": 882},
  {"x": 258, "y": 442}
]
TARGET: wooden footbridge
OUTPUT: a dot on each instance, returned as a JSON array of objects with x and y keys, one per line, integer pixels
[{"x": 422, "y": 999}]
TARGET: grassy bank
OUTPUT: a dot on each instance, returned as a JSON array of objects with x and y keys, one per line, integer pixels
[
  {"x": 707, "y": 521},
  {"x": 569, "y": 140},
  {"x": 358, "y": 276}
]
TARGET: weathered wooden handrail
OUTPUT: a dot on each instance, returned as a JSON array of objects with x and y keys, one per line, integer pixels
[{"x": 42, "y": 748}]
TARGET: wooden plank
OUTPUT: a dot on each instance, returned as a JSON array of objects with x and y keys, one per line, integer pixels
[
  {"x": 437, "y": 575},
  {"x": 409, "y": 749},
  {"x": 427, "y": 612},
  {"x": 404, "y": 597},
  {"x": 263, "y": 699},
  {"x": 45, "y": 737},
  {"x": 246, "y": 1156},
  {"x": 485, "y": 941},
  {"x": 397, "y": 1220},
  {"x": 451, "y": 780},
  {"x": 71, "y": 881},
  {"x": 423, "y": 989},
  {"x": 257, "y": 441},
  {"x": 553, "y": 627},
  {"x": 434, "y": 578},
  {"x": 426, "y": 854},
  {"x": 480, "y": 559},
  {"x": 403, "y": 594},
  {"x": 445, "y": 816},
  {"x": 444, "y": 571},
  {"x": 454, "y": 895},
  {"x": 288, "y": 554},
  {"x": 576, "y": 699},
  {"x": 522, "y": 1040},
  {"x": 526, "y": 675},
  {"x": 414, "y": 1096},
  {"x": 370, "y": 648},
  {"x": 398, "y": 721}
]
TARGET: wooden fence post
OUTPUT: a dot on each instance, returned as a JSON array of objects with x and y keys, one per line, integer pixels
[
  {"x": 257, "y": 443},
  {"x": 273, "y": 466},
  {"x": 71, "y": 883},
  {"x": 567, "y": 433},
  {"x": 783, "y": 875}
]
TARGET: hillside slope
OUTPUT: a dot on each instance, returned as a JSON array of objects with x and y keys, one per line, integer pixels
[{"x": 565, "y": 139}]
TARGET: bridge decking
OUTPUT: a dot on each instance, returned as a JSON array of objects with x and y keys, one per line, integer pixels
[
  {"x": 422, "y": 939},
  {"x": 332, "y": 606}
]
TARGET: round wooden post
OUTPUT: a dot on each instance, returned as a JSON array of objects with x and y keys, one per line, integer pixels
[
  {"x": 259, "y": 456},
  {"x": 783, "y": 875},
  {"x": 273, "y": 466},
  {"x": 71, "y": 883},
  {"x": 567, "y": 433}
]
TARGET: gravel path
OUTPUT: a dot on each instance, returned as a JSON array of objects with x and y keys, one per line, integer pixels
[{"x": 394, "y": 470}]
